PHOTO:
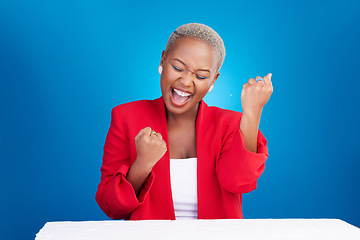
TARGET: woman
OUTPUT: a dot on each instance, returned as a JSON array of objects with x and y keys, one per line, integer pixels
[{"x": 176, "y": 158}]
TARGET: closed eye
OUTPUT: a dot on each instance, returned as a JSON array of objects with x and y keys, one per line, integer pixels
[
  {"x": 177, "y": 69},
  {"x": 200, "y": 77}
]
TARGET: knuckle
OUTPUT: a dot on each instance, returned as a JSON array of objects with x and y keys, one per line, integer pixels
[{"x": 146, "y": 139}]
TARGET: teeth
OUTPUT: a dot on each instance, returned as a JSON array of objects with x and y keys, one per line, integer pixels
[{"x": 182, "y": 94}]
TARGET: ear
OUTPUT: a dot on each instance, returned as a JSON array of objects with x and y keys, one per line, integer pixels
[
  {"x": 213, "y": 82},
  {"x": 162, "y": 58},
  {"x": 215, "y": 78}
]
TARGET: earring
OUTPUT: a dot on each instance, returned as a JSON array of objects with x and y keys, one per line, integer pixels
[
  {"x": 160, "y": 69},
  {"x": 211, "y": 88}
]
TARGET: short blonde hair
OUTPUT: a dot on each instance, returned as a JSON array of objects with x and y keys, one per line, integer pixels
[{"x": 201, "y": 32}]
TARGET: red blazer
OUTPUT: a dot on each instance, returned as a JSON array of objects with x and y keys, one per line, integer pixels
[{"x": 225, "y": 169}]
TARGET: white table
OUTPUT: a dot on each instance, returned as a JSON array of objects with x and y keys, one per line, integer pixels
[{"x": 240, "y": 229}]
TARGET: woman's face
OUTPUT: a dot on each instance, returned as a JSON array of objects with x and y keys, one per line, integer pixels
[{"x": 190, "y": 67}]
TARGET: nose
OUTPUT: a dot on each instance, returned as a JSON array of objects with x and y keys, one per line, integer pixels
[{"x": 187, "y": 79}]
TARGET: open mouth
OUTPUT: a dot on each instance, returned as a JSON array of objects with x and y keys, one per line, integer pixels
[{"x": 179, "y": 98}]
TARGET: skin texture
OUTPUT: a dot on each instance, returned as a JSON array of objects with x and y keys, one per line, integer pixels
[
  {"x": 254, "y": 96},
  {"x": 149, "y": 148},
  {"x": 191, "y": 66},
  {"x": 185, "y": 65}
]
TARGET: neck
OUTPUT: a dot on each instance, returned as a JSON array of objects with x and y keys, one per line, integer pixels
[{"x": 184, "y": 117}]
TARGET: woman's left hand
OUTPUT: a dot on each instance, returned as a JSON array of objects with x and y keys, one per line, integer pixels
[{"x": 255, "y": 94}]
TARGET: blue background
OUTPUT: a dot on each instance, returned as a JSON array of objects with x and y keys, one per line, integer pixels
[{"x": 65, "y": 64}]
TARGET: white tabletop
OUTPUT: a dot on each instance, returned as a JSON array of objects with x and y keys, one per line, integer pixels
[{"x": 229, "y": 229}]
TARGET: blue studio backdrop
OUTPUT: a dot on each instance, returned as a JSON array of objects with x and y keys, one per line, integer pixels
[{"x": 65, "y": 64}]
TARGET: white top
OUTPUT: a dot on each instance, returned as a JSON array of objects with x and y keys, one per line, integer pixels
[{"x": 183, "y": 175}]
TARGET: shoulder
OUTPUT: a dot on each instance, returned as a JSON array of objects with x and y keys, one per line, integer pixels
[
  {"x": 140, "y": 108},
  {"x": 217, "y": 122},
  {"x": 220, "y": 120},
  {"x": 221, "y": 114},
  {"x": 139, "y": 112},
  {"x": 134, "y": 106}
]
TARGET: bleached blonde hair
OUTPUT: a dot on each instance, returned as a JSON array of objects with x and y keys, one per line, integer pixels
[{"x": 201, "y": 32}]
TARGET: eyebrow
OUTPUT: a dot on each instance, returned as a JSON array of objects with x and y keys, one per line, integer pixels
[{"x": 205, "y": 70}]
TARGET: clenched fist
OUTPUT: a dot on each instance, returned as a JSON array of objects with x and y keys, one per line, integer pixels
[
  {"x": 150, "y": 147},
  {"x": 255, "y": 94}
]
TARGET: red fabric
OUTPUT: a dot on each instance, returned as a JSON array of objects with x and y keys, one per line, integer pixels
[{"x": 225, "y": 168}]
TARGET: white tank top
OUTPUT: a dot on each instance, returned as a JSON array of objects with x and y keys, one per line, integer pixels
[{"x": 183, "y": 174}]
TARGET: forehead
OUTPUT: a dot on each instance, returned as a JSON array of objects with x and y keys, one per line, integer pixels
[{"x": 194, "y": 52}]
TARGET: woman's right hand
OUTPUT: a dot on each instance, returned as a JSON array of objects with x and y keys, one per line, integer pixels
[{"x": 150, "y": 148}]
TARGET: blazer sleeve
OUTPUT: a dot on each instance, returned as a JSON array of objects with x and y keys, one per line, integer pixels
[
  {"x": 115, "y": 195},
  {"x": 238, "y": 169}
]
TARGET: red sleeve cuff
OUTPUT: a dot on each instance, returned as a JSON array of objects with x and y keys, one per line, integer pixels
[
  {"x": 261, "y": 143},
  {"x": 238, "y": 169},
  {"x": 144, "y": 192},
  {"x": 118, "y": 199}
]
